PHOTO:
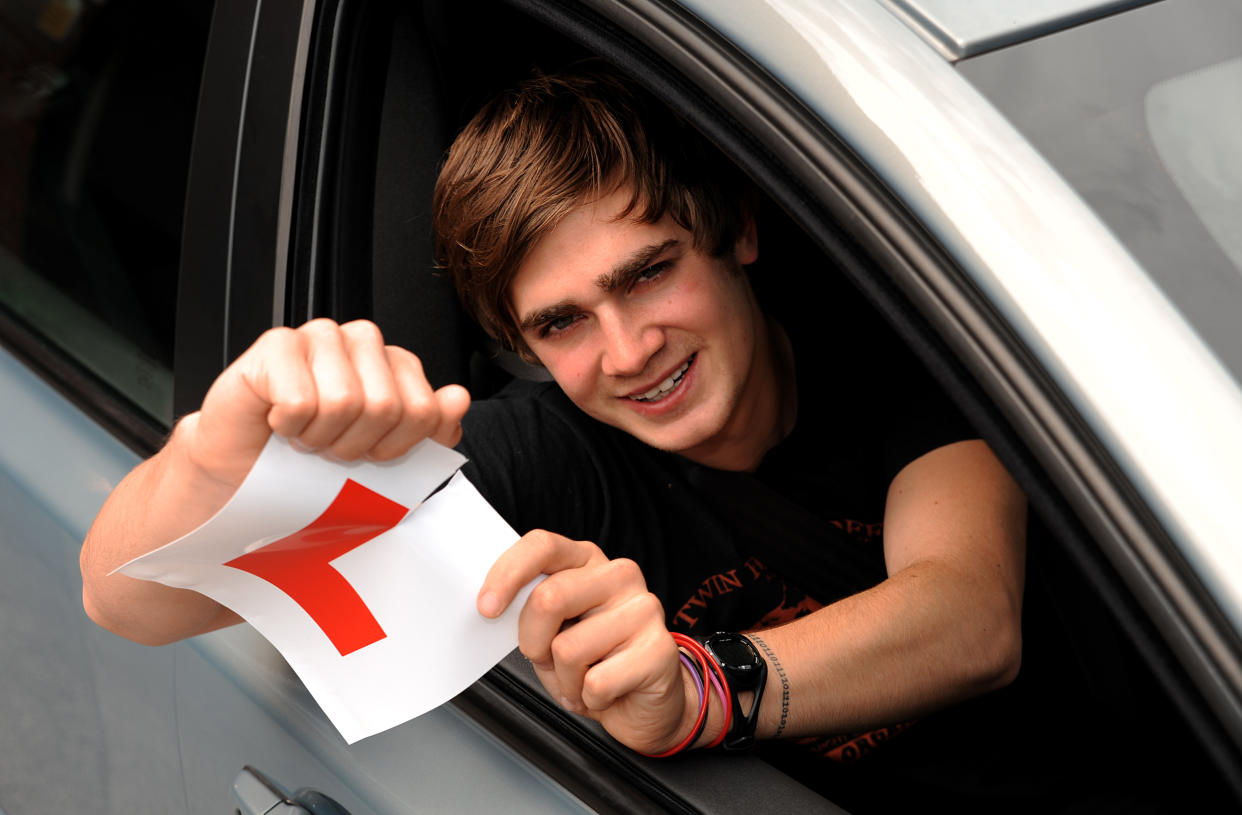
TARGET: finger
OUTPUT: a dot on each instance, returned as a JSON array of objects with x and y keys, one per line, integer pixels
[
  {"x": 454, "y": 401},
  {"x": 338, "y": 390},
  {"x": 617, "y": 649},
  {"x": 381, "y": 409},
  {"x": 268, "y": 388},
  {"x": 572, "y": 595},
  {"x": 420, "y": 413},
  {"x": 537, "y": 552},
  {"x": 649, "y": 662}
]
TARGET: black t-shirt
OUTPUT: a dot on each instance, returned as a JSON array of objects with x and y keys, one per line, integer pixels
[
  {"x": 724, "y": 550},
  {"x": 731, "y": 551}
]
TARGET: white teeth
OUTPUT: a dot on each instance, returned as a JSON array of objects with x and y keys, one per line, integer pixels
[{"x": 665, "y": 386}]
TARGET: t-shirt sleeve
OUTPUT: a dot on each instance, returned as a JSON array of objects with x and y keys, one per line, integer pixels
[{"x": 920, "y": 417}]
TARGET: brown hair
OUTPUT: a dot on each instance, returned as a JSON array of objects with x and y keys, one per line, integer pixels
[{"x": 534, "y": 154}]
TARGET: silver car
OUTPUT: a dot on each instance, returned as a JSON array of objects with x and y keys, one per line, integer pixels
[{"x": 1043, "y": 200}]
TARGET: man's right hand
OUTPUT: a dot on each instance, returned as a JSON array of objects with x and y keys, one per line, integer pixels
[{"x": 335, "y": 389}]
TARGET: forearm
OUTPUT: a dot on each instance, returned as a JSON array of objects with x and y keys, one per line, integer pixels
[
  {"x": 946, "y": 624},
  {"x": 882, "y": 656},
  {"x": 892, "y": 653},
  {"x": 159, "y": 501},
  {"x": 334, "y": 388}
]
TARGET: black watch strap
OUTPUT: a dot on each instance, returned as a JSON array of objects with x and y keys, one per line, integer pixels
[{"x": 746, "y": 670}]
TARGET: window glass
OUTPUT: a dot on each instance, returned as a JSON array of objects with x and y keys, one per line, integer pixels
[
  {"x": 97, "y": 103},
  {"x": 1141, "y": 113},
  {"x": 1195, "y": 121}
]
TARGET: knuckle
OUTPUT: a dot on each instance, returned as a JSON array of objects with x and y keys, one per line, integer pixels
[
  {"x": 342, "y": 404},
  {"x": 408, "y": 358},
  {"x": 319, "y": 326},
  {"x": 278, "y": 333},
  {"x": 299, "y": 405},
  {"x": 542, "y": 542},
  {"x": 546, "y": 599},
  {"x": 277, "y": 339},
  {"x": 533, "y": 654},
  {"x": 648, "y": 604},
  {"x": 564, "y": 649},
  {"x": 385, "y": 410},
  {"x": 594, "y": 689},
  {"x": 363, "y": 330},
  {"x": 422, "y": 405},
  {"x": 624, "y": 569}
]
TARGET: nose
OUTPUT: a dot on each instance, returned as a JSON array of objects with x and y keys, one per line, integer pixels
[{"x": 628, "y": 344}]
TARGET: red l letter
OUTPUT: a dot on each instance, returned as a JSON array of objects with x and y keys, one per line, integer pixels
[{"x": 300, "y": 564}]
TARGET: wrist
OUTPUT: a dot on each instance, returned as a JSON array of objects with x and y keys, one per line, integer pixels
[
  {"x": 746, "y": 671},
  {"x": 779, "y": 680},
  {"x": 697, "y": 680}
]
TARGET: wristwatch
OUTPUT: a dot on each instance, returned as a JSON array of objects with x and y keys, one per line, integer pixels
[{"x": 746, "y": 670}]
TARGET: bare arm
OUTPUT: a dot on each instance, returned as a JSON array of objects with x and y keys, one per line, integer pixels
[
  {"x": 336, "y": 389},
  {"x": 945, "y": 625}
]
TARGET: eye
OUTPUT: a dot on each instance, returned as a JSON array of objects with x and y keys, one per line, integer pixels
[
  {"x": 652, "y": 272},
  {"x": 558, "y": 325}
]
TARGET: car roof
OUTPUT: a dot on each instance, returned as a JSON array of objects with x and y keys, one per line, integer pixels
[{"x": 964, "y": 28}]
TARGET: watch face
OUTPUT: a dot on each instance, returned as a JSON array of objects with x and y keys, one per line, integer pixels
[{"x": 735, "y": 651}]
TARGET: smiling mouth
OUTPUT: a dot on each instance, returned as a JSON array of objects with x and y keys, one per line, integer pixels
[{"x": 666, "y": 387}]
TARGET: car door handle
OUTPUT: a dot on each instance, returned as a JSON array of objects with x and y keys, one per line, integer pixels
[{"x": 256, "y": 794}]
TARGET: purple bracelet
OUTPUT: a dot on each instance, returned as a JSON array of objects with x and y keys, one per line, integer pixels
[
  {"x": 694, "y": 673},
  {"x": 720, "y": 694}
]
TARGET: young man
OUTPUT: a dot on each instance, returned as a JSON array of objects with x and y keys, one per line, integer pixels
[{"x": 686, "y": 479}]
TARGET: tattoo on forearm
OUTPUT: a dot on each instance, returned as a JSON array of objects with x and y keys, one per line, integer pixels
[{"x": 776, "y": 663}]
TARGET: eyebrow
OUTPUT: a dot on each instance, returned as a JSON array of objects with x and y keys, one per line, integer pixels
[
  {"x": 620, "y": 277},
  {"x": 624, "y": 272}
]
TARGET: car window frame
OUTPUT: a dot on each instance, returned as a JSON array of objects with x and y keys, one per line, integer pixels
[
  {"x": 819, "y": 181},
  {"x": 234, "y": 268},
  {"x": 1070, "y": 476}
]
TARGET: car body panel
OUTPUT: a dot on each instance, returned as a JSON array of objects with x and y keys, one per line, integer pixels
[
  {"x": 141, "y": 717},
  {"x": 963, "y": 28},
  {"x": 168, "y": 729},
  {"x": 60, "y": 673},
  {"x": 1146, "y": 384}
]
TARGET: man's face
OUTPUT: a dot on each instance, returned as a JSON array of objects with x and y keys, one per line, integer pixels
[{"x": 645, "y": 333}]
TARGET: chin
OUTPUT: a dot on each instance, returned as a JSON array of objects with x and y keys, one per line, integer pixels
[{"x": 675, "y": 439}]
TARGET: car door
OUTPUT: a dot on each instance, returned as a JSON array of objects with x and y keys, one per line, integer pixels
[
  {"x": 100, "y": 107},
  {"x": 91, "y": 181}
]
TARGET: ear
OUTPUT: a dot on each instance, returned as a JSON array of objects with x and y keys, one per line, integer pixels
[{"x": 746, "y": 248}]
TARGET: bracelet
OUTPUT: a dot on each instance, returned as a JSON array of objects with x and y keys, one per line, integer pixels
[
  {"x": 780, "y": 672},
  {"x": 696, "y": 673},
  {"x": 719, "y": 681},
  {"x": 723, "y": 695}
]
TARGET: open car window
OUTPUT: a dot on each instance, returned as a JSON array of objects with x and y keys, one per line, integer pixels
[{"x": 382, "y": 146}]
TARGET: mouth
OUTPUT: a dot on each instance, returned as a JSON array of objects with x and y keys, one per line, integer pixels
[{"x": 666, "y": 387}]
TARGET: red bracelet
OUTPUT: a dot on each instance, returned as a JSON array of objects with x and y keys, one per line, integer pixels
[
  {"x": 701, "y": 656},
  {"x": 719, "y": 682}
]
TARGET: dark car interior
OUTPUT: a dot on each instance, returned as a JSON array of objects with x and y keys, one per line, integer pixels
[{"x": 419, "y": 70}]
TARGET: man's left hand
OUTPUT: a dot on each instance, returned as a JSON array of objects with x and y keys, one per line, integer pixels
[{"x": 596, "y": 637}]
